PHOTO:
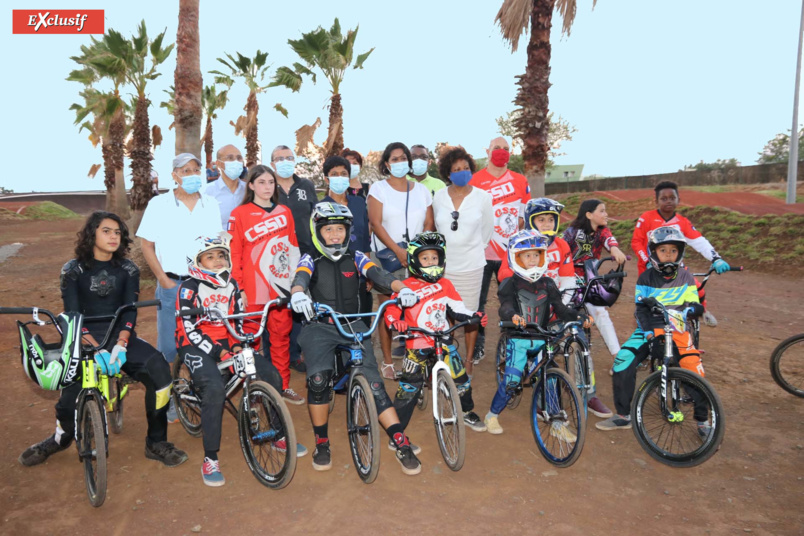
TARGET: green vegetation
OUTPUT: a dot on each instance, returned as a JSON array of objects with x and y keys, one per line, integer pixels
[
  {"x": 49, "y": 211},
  {"x": 780, "y": 194}
]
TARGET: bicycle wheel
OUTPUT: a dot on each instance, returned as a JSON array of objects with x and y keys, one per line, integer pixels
[
  {"x": 449, "y": 425},
  {"x": 363, "y": 428},
  {"x": 679, "y": 443},
  {"x": 421, "y": 402},
  {"x": 516, "y": 398},
  {"x": 185, "y": 399},
  {"x": 787, "y": 365},
  {"x": 262, "y": 430},
  {"x": 91, "y": 442},
  {"x": 116, "y": 415},
  {"x": 560, "y": 427},
  {"x": 577, "y": 369}
]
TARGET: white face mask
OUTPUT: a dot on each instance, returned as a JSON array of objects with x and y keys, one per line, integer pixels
[{"x": 354, "y": 171}]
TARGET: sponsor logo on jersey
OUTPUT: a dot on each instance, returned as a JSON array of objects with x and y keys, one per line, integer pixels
[
  {"x": 348, "y": 274},
  {"x": 265, "y": 227},
  {"x": 430, "y": 290}
]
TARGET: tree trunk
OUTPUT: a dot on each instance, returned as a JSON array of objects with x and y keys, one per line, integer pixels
[
  {"x": 136, "y": 251},
  {"x": 335, "y": 132},
  {"x": 117, "y": 128},
  {"x": 252, "y": 148},
  {"x": 187, "y": 80},
  {"x": 208, "y": 142},
  {"x": 141, "y": 190},
  {"x": 533, "y": 123},
  {"x": 108, "y": 175}
]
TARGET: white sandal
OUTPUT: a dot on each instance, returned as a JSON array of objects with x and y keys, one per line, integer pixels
[{"x": 392, "y": 375}]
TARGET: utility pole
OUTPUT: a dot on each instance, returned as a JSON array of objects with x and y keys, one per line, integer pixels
[{"x": 792, "y": 164}]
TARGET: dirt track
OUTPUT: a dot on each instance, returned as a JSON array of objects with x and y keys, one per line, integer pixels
[
  {"x": 741, "y": 201},
  {"x": 754, "y": 484}
]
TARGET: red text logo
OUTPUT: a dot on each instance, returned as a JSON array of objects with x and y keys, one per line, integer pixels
[{"x": 58, "y": 21}]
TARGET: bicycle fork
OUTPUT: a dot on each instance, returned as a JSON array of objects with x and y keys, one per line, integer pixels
[
  {"x": 438, "y": 366},
  {"x": 671, "y": 414}
]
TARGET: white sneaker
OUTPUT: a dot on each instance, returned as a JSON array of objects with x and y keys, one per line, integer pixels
[{"x": 493, "y": 425}]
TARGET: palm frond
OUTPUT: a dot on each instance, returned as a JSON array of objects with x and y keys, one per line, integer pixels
[
  {"x": 281, "y": 109},
  {"x": 361, "y": 58},
  {"x": 513, "y": 18}
]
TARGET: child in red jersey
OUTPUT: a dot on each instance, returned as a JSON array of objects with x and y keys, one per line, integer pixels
[
  {"x": 265, "y": 253},
  {"x": 667, "y": 200},
  {"x": 438, "y": 301}
]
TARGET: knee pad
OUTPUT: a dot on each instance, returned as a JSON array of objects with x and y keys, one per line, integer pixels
[
  {"x": 380, "y": 396},
  {"x": 319, "y": 388}
]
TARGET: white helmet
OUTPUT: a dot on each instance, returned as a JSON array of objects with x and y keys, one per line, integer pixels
[
  {"x": 217, "y": 278},
  {"x": 528, "y": 240}
]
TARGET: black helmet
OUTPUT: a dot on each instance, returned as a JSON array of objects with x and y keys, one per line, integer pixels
[
  {"x": 422, "y": 242},
  {"x": 666, "y": 235},
  {"x": 543, "y": 205},
  {"x": 327, "y": 214}
]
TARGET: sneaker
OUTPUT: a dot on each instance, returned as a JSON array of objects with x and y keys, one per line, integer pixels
[
  {"x": 389, "y": 372},
  {"x": 392, "y": 446},
  {"x": 408, "y": 460},
  {"x": 292, "y": 397},
  {"x": 322, "y": 457},
  {"x": 172, "y": 416},
  {"x": 709, "y": 319},
  {"x": 615, "y": 422},
  {"x": 281, "y": 446},
  {"x": 165, "y": 452},
  {"x": 471, "y": 420},
  {"x": 38, "y": 453},
  {"x": 480, "y": 352},
  {"x": 299, "y": 366},
  {"x": 398, "y": 352},
  {"x": 704, "y": 429},
  {"x": 598, "y": 408},
  {"x": 493, "y": 425},
  {"x": 560, "y": 430},
  {"x": 211, "y": 472}
]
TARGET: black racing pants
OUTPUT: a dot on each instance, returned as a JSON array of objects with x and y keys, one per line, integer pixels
[
  {"x": 413, "y": 377},
  {"x": 209, "y": 384},
  {"x": 145, "y": 364}
]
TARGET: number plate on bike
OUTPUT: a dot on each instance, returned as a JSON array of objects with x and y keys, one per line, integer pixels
[{"x": 677, "y": 321}]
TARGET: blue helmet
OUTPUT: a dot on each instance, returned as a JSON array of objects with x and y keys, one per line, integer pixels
[
  {"x": 528, "y": 240},
  {"x": 543, "y": 205}
]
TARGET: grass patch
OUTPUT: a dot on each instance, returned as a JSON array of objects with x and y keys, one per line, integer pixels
[
  {"x": 712, "y": 189},
  {"x": 49, "y": 211},
  {"x": 780, "y": 194}
]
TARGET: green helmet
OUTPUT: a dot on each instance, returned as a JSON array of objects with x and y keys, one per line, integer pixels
[
  {"x": 425, "y": 241},
  {"x": 324, "y": 214},
  {"x": 52, "y": 366}
]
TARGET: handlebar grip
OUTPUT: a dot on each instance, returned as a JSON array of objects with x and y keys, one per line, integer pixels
[
  {"x": 17, "y": 310},
  {"x": 736, "y": 269},
  {"x": 198, "y": 311},
  {"x": 508, "y": 324},
  {"x": 614, "y": 275},
  {"x": 148, "y": 303},
  {"x": 283, "y": 301}
]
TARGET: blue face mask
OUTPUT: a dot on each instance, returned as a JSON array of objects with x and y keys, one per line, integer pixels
[
  {"x": 419, "y": 167},
  {"x": 354, "y": 171},
  {"x": 191, "y": 184},
  {"x": 233, "y": 170},
  {"x": 460, "y": 178},
  {"x": 338, "y": 185},
  {"x": 399, "y": 169},
  {"x": 285, "y": 168}
]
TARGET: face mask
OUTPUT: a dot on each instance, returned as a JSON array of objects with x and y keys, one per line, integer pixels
[
  {"x": 285, "y": 168},
  {"x": 355, "y": 170},
  {"x": 233, "y": 169},
  {"x": 499, "y": 157},
  {"x": 460, "y": 178},
  {"x": 191, "y": 184},
  {"x": 399, "y": 169},
  {"x": 419, "y": 167},
  {"x": 338, "y": 185}
]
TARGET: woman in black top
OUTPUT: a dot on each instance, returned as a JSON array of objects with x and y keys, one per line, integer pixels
[{"x": 97, "y": 282}]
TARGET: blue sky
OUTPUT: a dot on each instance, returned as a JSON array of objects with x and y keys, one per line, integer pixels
[{"x": 650, "y": 86}]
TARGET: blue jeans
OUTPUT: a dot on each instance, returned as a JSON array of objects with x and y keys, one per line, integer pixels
[
  {"x": 166, "y": 320},
  {"x": 516, "y": 357}
]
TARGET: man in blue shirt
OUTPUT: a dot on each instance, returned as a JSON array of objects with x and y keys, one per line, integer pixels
[{"x": 228, "y": 189}]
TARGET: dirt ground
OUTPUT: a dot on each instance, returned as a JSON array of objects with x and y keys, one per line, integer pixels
[{"x": 755, "y": 484}]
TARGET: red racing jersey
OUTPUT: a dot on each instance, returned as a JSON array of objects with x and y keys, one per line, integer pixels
[
  {"x": 437, "y": 302},
  {"x": 652, "y": 220},
  {"x": 586, "y": 247},
  {"x": 509, "y": 194},
  {"x": 210, "y": 337},
  {"x": 265, "y": 251}
]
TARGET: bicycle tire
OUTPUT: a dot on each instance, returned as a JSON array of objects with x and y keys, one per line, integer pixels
[
  {"x": 565, "y": 415},
  {"x": 363, "y": 428},
  {"x": 271, "y": 465},
  {"x": 643, "y": 418},
  {"x": 783, "y": 379},
  {"x": 575, "y": 367},
  {"x": 452, "y": 440},
  {"x": 499, "y": 358},
  {"x": 188, "y": 412},
  {"x": 116, "y": 415},
  {"x": 91, "y": 442},
  {"x": 422, "y": 401}
]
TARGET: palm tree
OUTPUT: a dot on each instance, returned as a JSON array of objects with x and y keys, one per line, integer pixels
[
  {"x": 332, "y": 53},
  {"x": 514, "y": 18},
  {"x": 213, "y": 101},
  {"x": 187, "y": 80},
  {"x": 129, "y": 58},
  {"x": 252, "y": 71}
]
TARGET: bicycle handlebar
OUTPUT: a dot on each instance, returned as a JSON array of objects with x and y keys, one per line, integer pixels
[
  {"x": 216, "y": 314},
  {"x": 507, "y": 324},
  {"x": 444, "y": 333},
  {"x": 323, "y": 309},
  {"x": 711, "y": 270}
]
